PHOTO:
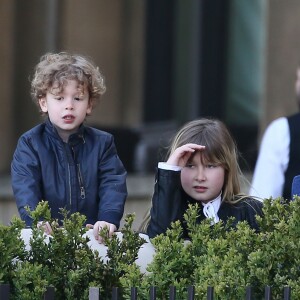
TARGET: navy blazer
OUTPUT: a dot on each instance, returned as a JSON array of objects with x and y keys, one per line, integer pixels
[
  {"x": 169, "y": 203},
  {"x": 84, "y": 175}
]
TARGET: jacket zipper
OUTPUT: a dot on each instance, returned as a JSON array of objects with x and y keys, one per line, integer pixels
[
  {"x": 70, "y": 184},
  {"x": 82, "y": 190}
]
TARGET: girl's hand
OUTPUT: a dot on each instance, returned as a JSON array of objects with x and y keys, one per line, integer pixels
[
  {"x": 182, "y": 154},
  {"x": 45, "y": 226},
  {"x": 100, "y": 225}
]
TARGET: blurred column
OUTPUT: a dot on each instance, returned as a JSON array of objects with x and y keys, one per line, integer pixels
[
  {"x": 187, "y": 60},
  {"x": 200, "y": 47},
  {"x": 7, "y": 115},
  {"x": 246, "y": 61},
  {"x": 158, "y": 98},
  {"x": 36, "y": 32},
  {"x": 245, "y": 91},
  {"x": 282, "y": 60}
]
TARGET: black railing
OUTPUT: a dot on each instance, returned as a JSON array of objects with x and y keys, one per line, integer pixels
[{"x": 94, "y": 293}]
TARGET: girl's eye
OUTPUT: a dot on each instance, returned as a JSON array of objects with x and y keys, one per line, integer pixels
[
  {"x": 210, "y": 166},
  {"x": 58, "y": 98},
  {"x": 189, "y": 165},
  {"x": 77, "y": 98}
]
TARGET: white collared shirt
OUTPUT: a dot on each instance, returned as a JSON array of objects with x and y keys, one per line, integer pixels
[
  {"x": 272, "y": 162},
  {"x": 211, "y": 208}
]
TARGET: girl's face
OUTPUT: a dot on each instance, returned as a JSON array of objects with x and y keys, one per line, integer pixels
[
  {"x": 202, "y": 182},
  {"x": 67, "y": 109}
]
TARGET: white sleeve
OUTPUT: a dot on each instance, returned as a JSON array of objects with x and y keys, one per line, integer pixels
[
  {"x": 165, "y": 166},
  {"x": 272, "y": 161}
]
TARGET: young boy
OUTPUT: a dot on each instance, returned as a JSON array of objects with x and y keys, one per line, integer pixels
[{"x": 62, "y": 161}]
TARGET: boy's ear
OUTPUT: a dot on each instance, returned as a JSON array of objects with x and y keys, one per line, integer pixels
[
  {"x": 43, "y": 105},
  {"x": 90, "y": 107}
]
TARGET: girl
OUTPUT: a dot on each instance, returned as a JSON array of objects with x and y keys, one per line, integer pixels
[{"x": 202, "y": 167}]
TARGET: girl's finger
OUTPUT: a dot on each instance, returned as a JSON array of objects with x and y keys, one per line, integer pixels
[{"x": 48, "y": 228}]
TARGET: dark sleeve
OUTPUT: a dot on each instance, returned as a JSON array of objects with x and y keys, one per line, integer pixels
[
  {"x": 25, "y": 176},
  {"x": 254, "y": 209},
  {"x": 249, "y": 209},
  {"x": 112, "y": 185},
  {"x": 167, "y": 202}
]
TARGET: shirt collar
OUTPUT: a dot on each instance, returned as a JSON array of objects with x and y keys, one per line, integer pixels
[
  {"x": 74, "y": 139},
  {"x": 211, "y": 208}
]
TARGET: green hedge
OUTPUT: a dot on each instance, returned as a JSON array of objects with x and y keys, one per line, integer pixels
[{"x": 229, "y": 260}]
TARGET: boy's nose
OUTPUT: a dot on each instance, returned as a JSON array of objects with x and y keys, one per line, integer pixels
[{"x": 69, "y": 104}]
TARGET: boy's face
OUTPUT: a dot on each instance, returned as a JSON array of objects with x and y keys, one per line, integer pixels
[{"x": 67, "y": 109}]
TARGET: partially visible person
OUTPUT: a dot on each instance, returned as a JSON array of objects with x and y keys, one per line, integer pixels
[
  {"x": 278, "y": 159},
  {"x": 202, "y": 167},
  {"x": 63, "y": 161}
]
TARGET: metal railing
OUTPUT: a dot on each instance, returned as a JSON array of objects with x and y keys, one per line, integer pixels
[{"x": 94, "y": 293}]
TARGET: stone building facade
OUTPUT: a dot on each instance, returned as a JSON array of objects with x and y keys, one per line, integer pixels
[{"x": 165, "y": 62}]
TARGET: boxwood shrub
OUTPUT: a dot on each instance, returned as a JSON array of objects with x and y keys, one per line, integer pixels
[{"x": 227, "y": 259}]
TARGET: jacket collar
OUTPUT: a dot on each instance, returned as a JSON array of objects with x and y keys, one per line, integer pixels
[{"x": 74, "y": 139}]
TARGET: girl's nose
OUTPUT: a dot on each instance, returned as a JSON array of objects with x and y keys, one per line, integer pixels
[{"x": 200, "y": 176}]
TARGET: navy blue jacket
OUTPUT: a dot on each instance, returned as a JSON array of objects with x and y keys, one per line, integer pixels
[
  {"x": 84, "y": 175},
  {"x": 170, "y": 202},
  {"x": 293, "y": 168}
]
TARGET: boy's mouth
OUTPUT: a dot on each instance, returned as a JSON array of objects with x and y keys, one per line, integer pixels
[{"x": 68, "y": 117}]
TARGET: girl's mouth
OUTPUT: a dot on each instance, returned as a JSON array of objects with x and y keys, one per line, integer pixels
[{"x": 200, "y": 189}]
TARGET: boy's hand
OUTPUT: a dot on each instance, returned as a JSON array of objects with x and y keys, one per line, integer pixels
[
  {"x": 100, "y": 225},
  {"x": 182, "y": 154}
]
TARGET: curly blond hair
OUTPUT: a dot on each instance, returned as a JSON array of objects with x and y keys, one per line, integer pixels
[{"x": 55, "y": 69}]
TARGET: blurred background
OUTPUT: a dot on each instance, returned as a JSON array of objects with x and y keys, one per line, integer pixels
[{"x": 165, "y": 62}]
